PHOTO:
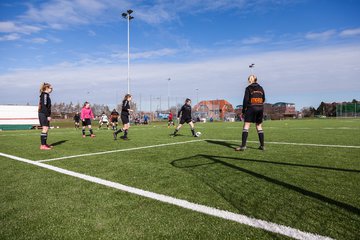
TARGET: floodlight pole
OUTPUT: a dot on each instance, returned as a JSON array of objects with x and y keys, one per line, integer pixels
[
  {"x": 128, "y": 16},
  {"x": 197, "y": 95}
]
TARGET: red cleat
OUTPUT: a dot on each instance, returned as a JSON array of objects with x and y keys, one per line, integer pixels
[
  {"x": 92, "y": 135},
  {"x": 50, "y": 146},
  {"x": 44, "y": 147}
]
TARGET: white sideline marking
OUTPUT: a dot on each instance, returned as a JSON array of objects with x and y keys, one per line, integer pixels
[
  {"x": 253, "y": 222},
  {"x": 118, "y": 150},
  {"x": 289, "y": 143}
]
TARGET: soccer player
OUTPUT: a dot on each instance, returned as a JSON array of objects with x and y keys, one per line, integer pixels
[
  {"x": 114, "y": 116},
  {"x": 185, "y": 113},
  {"x": 44, "y": 114},
  {"x": 104, "y": 119},
  {"x": 86, "y": 116},
  {"x": 170, "y": 120},
  {"x": 253, "y": 108},
  {"x": 125, "y": 117},
  {"x": 77, "y": 120}
]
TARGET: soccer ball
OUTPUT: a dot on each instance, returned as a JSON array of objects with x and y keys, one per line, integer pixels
[{"x": 198, "y": 134}]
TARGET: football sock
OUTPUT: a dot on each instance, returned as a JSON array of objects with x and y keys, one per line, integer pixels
[
  {"x": 261, "y": 137},
  {"x": 126, "y": 133},
  {"x": 175, "y": 132},
  {"x": 43, "y": 138},
  {"x": 193, "y": 131},
  {"x": 91, "y": 131},
  {"x": 83, "y": 131},
  {"x": 245, "y": 133}
]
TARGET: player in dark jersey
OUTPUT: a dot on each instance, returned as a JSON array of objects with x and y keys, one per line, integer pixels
[
  {"x": 44, "y": 114},
  {"x": 185, "y": 113},
  {"x": 114, "y": 116},
  {"x": 125, "y": 117},
  {"x": 77, "y": 120},
  {"x": 253, "y": 108}
]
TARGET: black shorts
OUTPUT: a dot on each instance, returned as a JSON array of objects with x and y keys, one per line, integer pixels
[
  {"x": 125, "y": 119},
  {"x": 254, "y": 115},
  {"x": 86, "y": 122},
  {"x": 114, "y": 120},
  {"x": 43, "y": 119},
  {"x": 185, "y": 120}
]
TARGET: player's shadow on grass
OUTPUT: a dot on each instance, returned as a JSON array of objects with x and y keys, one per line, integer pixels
[
  {"x": 183, "y": 163},
  {"x": 59, "y": 142},
  {"x": 226, "y": 144}
]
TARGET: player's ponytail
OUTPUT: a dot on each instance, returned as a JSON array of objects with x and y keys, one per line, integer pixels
[
  {"x": 252, "y": 78},
  {"x": 127, "y": 96},
  {"x": 44, "y": 86}
]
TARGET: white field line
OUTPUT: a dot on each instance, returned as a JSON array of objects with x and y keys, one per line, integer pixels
[
  {"x": 289, "y": 143},
  {"x": 253, "y": 222},
  {"x": 118, "y": 150}
]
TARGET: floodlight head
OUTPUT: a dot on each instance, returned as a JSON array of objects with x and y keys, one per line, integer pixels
[
  {"x": 124, "y": 15},
  {"x": 252, "y": 65},
  {"x": 130, "y": 17},
  {"x": 130, "y": 11}
]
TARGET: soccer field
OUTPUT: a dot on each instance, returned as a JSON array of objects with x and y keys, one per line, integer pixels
[{"x": 306, "y": 184}]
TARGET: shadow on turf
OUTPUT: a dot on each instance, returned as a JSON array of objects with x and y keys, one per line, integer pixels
[
  {"x": 225, "y": 144},
  {"x": 59, "y": 142},
  {"x": 182, "y": 163}
]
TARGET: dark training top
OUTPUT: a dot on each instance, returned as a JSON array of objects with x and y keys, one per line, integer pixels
[
  {"x": 77, "y": 118},
  {"x": 125, "y": 108},
  {"x": 185, "y": 111},
  {"x": 45, "y": 104},
  {"x": 254, "y": 97}
]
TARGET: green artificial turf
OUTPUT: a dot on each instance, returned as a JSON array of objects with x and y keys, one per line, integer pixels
[{"x": 311, "y": 188}]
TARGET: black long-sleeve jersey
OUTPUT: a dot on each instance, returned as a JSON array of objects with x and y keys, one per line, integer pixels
[
  {"x": 254, "y": 96},
  {"x": 125, "y": 107},
  {"x": 45, "y": 104},
  {"x": 76, "y": 117},
  {"x": 185, "y": 111}
]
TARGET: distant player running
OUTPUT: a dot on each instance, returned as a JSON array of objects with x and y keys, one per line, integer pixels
[
  {"x": 44, "y": 114},
  {"x": 114, "y": 116},
  {"x": 125, "y": 117},
  {"x": 185, "y": 113},
  {"x": 86, "y": 116},
  {"x": 104, "y": 120},
  {"x": 253, "y": 108},
  {"x": 77, "y": 120},
  {"x": 170, "y": 120}
]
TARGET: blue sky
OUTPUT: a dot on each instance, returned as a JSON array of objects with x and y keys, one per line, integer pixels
[{"x": 304, "y": 51}]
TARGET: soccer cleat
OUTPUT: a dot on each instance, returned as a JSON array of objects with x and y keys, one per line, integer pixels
[
  {"x": 115, "y": 135},
  {"x": 92, "y": 135},
  {"x": 44, "y": 147},
  {"x": 241, "y": 148},
  {"x": 83, "y": 136},
  {"x": 262, "y": 148},
  {"x": 50, "y": 146}
]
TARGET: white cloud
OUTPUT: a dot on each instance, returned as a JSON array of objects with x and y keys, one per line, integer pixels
[
  {"x": 147, "y": 54},
  {"x": 38, "y": 40},
  {"x": 293, "y": 76},
  {"x": 12, "y": 27},
  {"x": 10, "y": 37},
  {"x": 321, "y": 36},
  {"x": 350, "y": 32},
  {"x": 254, "y": 40},
  {"x": 91, "y": 33}
]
